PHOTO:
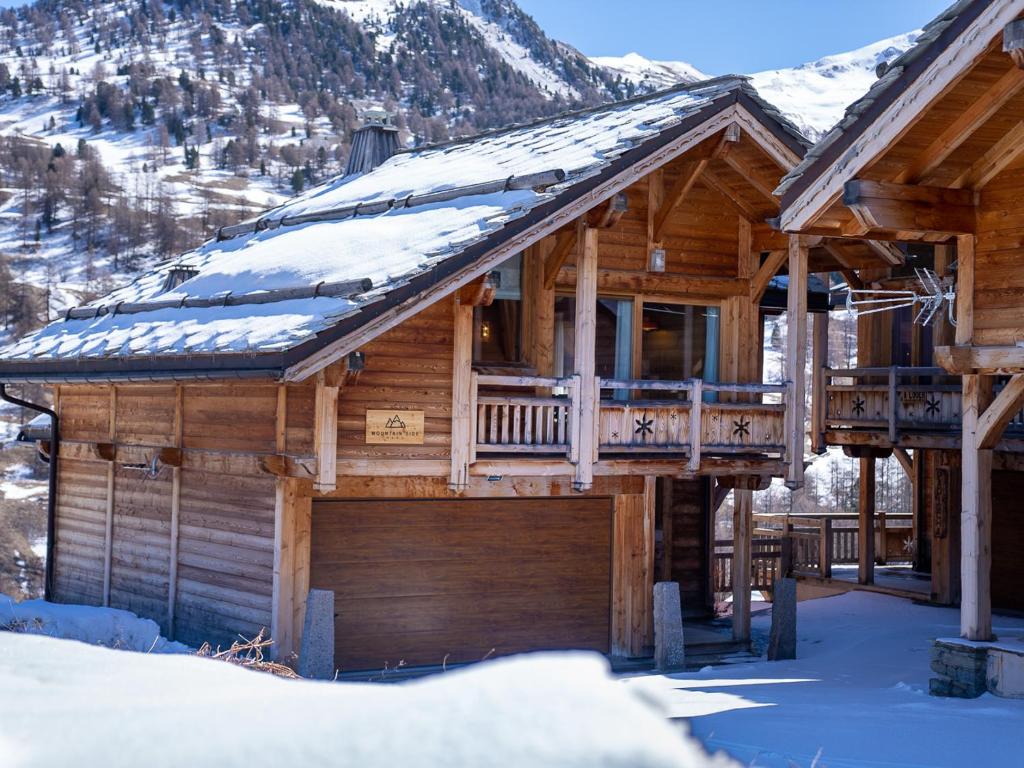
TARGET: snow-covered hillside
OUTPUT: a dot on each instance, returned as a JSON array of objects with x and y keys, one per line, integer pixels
[
  {"x": 813, "y": 95},
  {"x": 649, "y": 74}
]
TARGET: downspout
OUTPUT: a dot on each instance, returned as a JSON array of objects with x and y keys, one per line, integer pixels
[{"x": 51, "y": 501}]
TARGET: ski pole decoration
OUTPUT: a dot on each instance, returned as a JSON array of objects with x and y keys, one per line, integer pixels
[{"x": 934, "y": 292}]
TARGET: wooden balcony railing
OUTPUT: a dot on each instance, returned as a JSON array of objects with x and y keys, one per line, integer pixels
[
  {"x": 913, "y": 407},
  {"x": 817, "y": 542},
  {"x": 534, "y": 415},
  {"x": 765, "y": 564}
]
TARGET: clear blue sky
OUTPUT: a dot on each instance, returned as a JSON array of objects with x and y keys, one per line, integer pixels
[{"x": 728, "y": 36}]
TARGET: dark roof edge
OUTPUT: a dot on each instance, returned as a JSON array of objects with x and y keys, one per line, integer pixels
[{"x": 883, "y": 101}]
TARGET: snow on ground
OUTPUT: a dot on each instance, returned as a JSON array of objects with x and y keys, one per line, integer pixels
[
  {"x": 856, "y": 696},
  {"x": 108, "y": 627},
  {"x": 112, "y": 708}
]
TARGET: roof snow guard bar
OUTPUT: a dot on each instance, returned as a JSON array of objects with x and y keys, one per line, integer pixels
[
  {"x": 536, "y": 181},
  {"x": 345, "y": 289}
]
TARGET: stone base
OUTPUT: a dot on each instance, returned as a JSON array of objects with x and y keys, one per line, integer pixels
[
  {"x": 669, "y": 650},
  {"x": 316, "y": 657},
  {"x": 782, "y": 642},
  {"x": 962, "y": 669}
]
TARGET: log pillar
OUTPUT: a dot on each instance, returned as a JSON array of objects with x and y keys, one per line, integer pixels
[
  {"x": 866, "y": 522},
  {"x": 796, "y": 359},
  {"x": 975, "y": 515},
  {"x": 587, "y": 412},
  {"x": 742, "y": 545}
]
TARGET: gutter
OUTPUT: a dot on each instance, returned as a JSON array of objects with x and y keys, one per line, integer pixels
[{"x": 51, "y": 500}]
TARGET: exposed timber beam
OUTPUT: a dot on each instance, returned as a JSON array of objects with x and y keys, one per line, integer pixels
[
  {"x": 964, "y": 359},
  {"x": 608, "y": 215},
  {"x": 887, "y": 252},
  {"x": 961, "y": 129},
  {"x": 765, "y": 273},
  {"x": 666, "y": 283},
  {"x": 1004, "y": 407},
  {"x": 905, "y": 461},
  {"x": 764, "y": 188},
  {"x": 565, "y": 242},
  {"x": 741, "y": 206},
  {"x": 910, "y": 208},
  {"x": 688, "y": 176},
  {"x": 329, "y": 382},
  {"x": 992, "y": 163},
  {"x": 479, "y": 293}
]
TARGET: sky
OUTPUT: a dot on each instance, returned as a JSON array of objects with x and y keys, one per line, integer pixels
[{"x": 728, "y": 36}]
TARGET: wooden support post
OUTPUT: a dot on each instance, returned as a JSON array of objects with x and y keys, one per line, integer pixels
[
  {"x": 585, "y": 364},
  {"x": 796, "y": 358},
  {"x": 825, "y": 549},
  {"x": 742, "y": 544},
  {"x": 819, "y": 364},
  {"x": 172, "y": 576},
  {"x": 108, "y": 528},
  {"x": 303, "y": 515},
  {"x": 325, "y": 427},
  {"x": 975, "y": 515},
  {"x": 964, "y": 289},
  {"x": 462, "y": 382},
  {"x": 893, "y": 406},
  {"x": 866, "y": 523},
  {"x": 282, "y": 607},
  {"x": 696, "y": 400}
]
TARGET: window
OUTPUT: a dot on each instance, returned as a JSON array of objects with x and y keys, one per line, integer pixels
[
  {"x": 614, "y": 353},
  {"x": 679, "y": 342},
  {"x": 497, "y": 329}
]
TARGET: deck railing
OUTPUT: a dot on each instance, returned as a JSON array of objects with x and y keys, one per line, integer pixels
[
  {"x": 902, "y": 405},
  {"x": 765, "y": 564},
  {"x": 817, "y": 542},
  {"x": 533, "y": 415}
]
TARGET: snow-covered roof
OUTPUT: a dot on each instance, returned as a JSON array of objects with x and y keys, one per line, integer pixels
[
  {"x": 898, "y": 75},
  {"x": 335, "y": 257}
]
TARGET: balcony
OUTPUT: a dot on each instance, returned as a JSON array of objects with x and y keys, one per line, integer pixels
[
  {"x": 895, "y": 407},
  {"x": 689, "y": 422}
]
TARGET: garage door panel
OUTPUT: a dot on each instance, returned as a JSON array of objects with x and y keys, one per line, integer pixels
[{"x": 421, "y": 581}]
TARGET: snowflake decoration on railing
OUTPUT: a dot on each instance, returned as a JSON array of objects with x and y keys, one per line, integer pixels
[
  {"x": 644, "y": 426},
  {"x": 858, "y": 406},
  {"x": 932, "y": 406},
  {"x": 741, "y": 428}
]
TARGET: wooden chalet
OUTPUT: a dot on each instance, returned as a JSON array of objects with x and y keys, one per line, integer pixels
[
  {"x": 925, "y": 170},
  {"x": 487, "y": 392}
]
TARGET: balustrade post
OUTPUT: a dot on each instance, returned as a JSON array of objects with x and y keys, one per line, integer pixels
[
  {"x": 893, "y": 432},
  {"x": 825, "y": 546},
  {"x": 696, "y": 398},
  {"x": 786, "y": 564}
]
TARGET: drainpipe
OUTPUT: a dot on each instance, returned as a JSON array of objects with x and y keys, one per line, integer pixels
[{"x": 51, "y": 501}]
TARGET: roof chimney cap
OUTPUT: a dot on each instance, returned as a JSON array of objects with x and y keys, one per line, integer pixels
[{"x": 372, "y": 144}]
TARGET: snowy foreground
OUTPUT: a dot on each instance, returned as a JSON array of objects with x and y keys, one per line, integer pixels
[
  {"x": 857, "y": 696},
  {"x": 68, "y": 703}
]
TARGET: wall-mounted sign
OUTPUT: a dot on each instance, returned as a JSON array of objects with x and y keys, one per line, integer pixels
[{"x": 394, "y": 427}]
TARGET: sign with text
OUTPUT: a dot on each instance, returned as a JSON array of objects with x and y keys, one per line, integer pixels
[{"x": 394, "y": 427}]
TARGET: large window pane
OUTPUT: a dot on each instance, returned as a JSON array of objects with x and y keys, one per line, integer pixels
[
  {"x": 679, "y": 342},
  {"x": 497, "y": 329},
  {"x": 614, "y": 348}
]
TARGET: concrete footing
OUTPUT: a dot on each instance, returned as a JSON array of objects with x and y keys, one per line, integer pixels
[
  {"x": 782, "y": 642},
  {"x": 316, "y": 657},
  {"x": 967, "y": 669},
  {"x": 669, "y": 651}
]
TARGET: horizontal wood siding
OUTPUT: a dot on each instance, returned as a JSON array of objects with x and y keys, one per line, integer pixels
[
  {"x": 999, "y": 253},
  {"x": 235, "y": 418},
  {"x": 422, "y": 582},
  {"x": 141, "y": 543},
  {"x": 145, "y": 415},
  {"x": 689, "y": 543},
  {"x": 225, "y": 557},
  {"x": 81, "y": 526},
  {"x": 407, "y": 368}
]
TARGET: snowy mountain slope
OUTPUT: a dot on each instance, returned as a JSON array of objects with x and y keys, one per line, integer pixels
[
  {"x": 650, "y": 74},
  {"x": 813, "y": 95}
]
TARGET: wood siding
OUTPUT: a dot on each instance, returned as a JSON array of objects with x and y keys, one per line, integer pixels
[{"x": 999, "y": 253}]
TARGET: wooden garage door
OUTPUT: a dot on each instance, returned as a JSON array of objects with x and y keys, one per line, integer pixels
[
  {"x": 425, "y": 582},
  {"x": 1007, "y": 540}
]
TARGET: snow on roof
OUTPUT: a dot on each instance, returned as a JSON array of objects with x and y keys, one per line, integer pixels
[{"x": 388, "y": 245}]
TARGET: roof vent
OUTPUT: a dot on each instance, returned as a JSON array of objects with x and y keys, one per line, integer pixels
[
  {"x": 178, "y": 275},
  {"x": 372, "y": 144}
]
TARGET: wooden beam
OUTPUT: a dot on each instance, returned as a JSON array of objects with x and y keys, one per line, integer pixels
[
  {"x": 796, "y": 357},
  {"x": 887, "y": 252},
  {"x": 660, "y": 283},
  {"x": 479, "y": 293},
  {"x": 585, "y": 361},
  {"x": 689, "y": 174},
  {"x": 772, "y": 264},
  {"x": 565, "y": 242},
  {"x": 961, "y": 129},
  {"x": 819, "y": 362},
  {"x": 966, "y": 359},
  {"x": 764, "y": 188},
  {"x": 996, "y": 158},
  {"x": 965, "y": 289},
  {"x": 325, "y": 426},
  {"x": 282, "y": 587},
  {"x": 742, "y": 525},
  {"x": 1006, "y": 405},
  {"x": 609, "y": 213},
  {"x": 739, "y": 205},
  {"x": 852, "y": 279},
  {"x": 975, "y": 516},
  {"x": 905, "y": 461},
  {"x": 462, "y": 381},
  {"x": 866, "y": 523},
  {"x": 910, "y": 208}
]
